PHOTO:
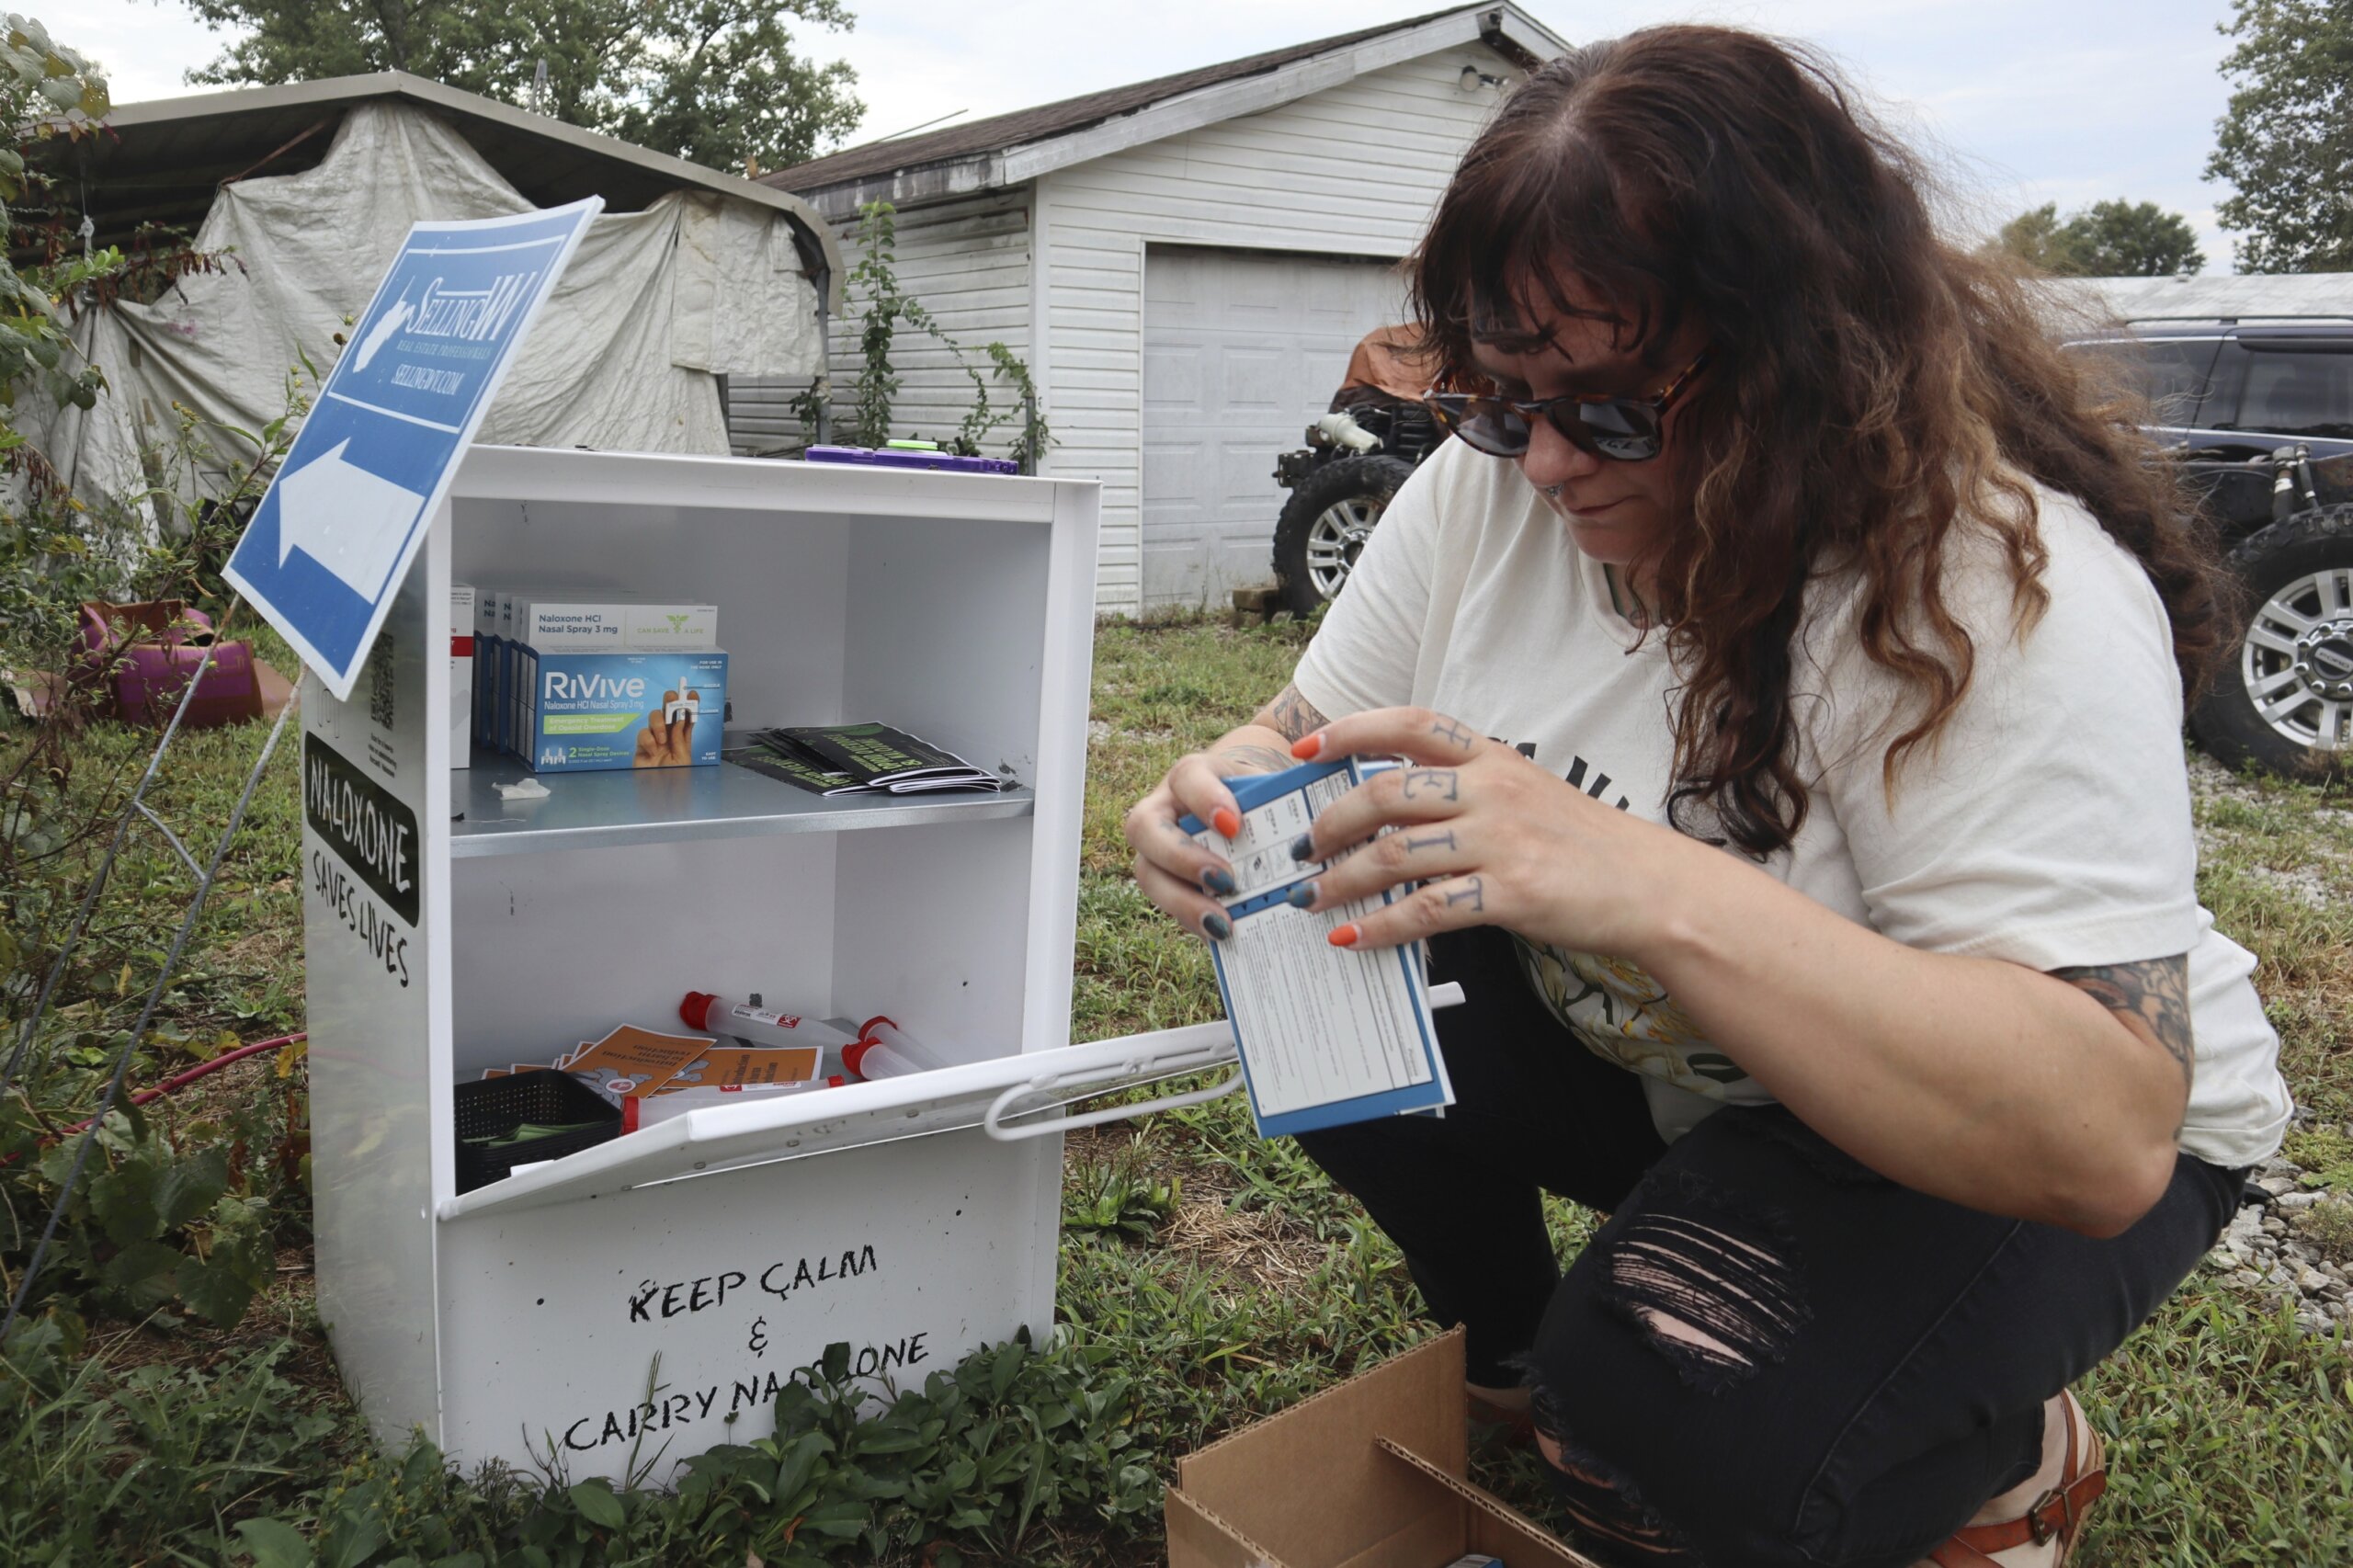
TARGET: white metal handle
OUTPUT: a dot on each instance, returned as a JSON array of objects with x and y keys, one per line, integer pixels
[
  {"x": 1014, "y": 1132},
  {"x": 1161, "y": 1054}
]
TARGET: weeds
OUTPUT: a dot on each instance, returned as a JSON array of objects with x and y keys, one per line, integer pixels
[
  {"x": 1115, "y": 1199},
  {"x": 1208, "y": 1277}
]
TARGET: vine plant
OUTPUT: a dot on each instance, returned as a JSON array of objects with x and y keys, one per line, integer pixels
[{"x": 884, "y": 308}]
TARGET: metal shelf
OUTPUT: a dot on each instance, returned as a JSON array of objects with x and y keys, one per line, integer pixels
[{"x": 627, "y": 806}]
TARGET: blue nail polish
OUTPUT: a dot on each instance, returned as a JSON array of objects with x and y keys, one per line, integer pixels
[
  {"x": 1303, "y": 847},
  {"x": 1302, "y": 895},
  {"x": 1218, "y": 926},
  {"x": 1217, "y": 882}
]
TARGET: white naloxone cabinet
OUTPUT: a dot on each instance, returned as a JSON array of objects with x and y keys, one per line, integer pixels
[{"x": 650, "y": 1294}]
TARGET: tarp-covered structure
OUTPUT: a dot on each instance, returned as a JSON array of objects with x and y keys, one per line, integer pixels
[
  {"x": 657, "y": 305},
  {"x": 2220, "y": 296}
]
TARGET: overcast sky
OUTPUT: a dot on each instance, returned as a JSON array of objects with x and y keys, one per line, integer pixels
[{"x": 2071, "y": 101}]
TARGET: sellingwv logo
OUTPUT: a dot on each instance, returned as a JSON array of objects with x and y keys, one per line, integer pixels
[{"x": 472, "y": 315}]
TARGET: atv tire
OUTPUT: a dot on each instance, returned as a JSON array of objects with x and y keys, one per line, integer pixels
[
  {"x": 2283, "y": 701},
  {"x": 1331, "y": 514}
]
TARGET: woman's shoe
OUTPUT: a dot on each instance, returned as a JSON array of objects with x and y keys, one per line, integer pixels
[{"x": 2057, "y": 1514}]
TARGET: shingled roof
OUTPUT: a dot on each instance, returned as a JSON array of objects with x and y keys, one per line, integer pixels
[{"x": 1024, "y": 126}]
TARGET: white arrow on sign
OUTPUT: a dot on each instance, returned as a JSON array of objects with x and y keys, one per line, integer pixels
[{"x": 348, "y": 520}]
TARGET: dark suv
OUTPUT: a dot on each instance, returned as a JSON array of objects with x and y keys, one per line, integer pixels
[
  {"x": 2261, "y": 413},
  {"x": 2231, "y": 389}
]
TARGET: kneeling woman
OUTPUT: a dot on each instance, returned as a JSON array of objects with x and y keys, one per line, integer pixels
[{"x": 1839, "y": 941}]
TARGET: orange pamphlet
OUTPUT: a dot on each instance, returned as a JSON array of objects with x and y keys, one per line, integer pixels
[
  {"x": 731, "y": 1065},
  {"x": 631, "y": 1061}
]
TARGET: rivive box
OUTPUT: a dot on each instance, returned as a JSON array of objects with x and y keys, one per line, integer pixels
[{"x": 585, "y": 710}]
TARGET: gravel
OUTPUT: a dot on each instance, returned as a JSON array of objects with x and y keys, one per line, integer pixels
[{"x": 2263, "y": 1249}]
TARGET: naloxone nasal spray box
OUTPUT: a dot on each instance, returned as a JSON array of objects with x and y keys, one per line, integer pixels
[
  {"x": 462, "y": 675},
  {"x": 587, "y": 711},
  {"x": 486, "y": 687},
  {"x": 589, "y": 619}
]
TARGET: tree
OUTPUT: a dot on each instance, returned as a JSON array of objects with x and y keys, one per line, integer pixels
[
  {"x": 2287, "y": 139},
  {"x": 2132, "y": 239},
  {"x": 715, "y": 81},
  {"x": 2033, "y": 238},
  {"x": 2108, "y": 239}
]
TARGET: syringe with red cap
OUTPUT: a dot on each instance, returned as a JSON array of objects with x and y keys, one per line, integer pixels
[
  {"x": 751, "y": 1022},
  {"x": 884, "y": 1050}
]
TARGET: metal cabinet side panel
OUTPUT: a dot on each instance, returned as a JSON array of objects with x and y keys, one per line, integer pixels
[
  {"x": 571, "y": 1330},
  {"x": 370, "y": 978},
  {"x": 1066, "y": 674}
]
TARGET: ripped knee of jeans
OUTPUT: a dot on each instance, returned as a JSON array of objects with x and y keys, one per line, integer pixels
[
  {"x": 1709, "y": 1282},
  {"x": 1601, "y": 1504}
]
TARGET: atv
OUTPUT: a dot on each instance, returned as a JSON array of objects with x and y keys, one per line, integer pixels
[
  {"x": 2283, "y": 701},
  {"x": 1357, "y": 455}
]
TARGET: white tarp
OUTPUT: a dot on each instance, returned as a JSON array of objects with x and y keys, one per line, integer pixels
[{"x": 656, "y": 306}]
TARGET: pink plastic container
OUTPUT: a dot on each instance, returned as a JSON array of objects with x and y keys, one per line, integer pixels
[{"x": 144, "y": 654}]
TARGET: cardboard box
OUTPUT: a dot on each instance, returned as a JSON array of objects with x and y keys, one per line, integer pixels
[{"x": 1370, "y": 1474}]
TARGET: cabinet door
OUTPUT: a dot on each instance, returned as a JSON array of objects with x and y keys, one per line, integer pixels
[
  {"x": 1014, "y": 1098},
  {"x": 1019, "y": 1094}
]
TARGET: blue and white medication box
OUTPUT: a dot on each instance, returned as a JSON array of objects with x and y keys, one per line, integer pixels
[
  {"x": 587, "y": 711},
  {"x": 587, "y": 619},
  {"x": 1327, "y": 1036}
]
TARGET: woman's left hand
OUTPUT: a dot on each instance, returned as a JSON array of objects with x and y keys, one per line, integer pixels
[{"x": 1509, "y": 843}]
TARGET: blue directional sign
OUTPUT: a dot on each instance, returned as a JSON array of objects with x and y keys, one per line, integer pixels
[{"x": 347, "y": 511}]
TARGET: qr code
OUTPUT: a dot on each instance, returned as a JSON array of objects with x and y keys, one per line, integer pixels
[{"x": 380, "y": 682}]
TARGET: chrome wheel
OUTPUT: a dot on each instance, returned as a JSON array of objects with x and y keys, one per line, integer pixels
[
  {"x": 1335, "y": 538},
  {"x": 2296, "y": 664}
]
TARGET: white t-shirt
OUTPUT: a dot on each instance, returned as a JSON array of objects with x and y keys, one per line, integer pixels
[{"x": 2050, "y": 827}]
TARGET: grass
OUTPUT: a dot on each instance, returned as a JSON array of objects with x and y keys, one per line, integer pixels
[{"x": 1224, "y": 1275}]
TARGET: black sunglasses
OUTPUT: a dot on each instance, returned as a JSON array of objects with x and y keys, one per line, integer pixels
[{"x": 1621, "y": 429}]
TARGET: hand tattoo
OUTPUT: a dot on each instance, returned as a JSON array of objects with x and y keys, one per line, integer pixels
[
  {"x": 1432, "y": 840},
  {"x": 1440, "y": 783},
  {"x": 2155, "y": 991},
  {"x": 1452, "y": 733},
  {"x": 1471, "y": 890},
  {"x": 1291, "y": 716}
]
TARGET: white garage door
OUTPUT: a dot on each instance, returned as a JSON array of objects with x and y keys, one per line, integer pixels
[{"x": 1242, "y": 350}]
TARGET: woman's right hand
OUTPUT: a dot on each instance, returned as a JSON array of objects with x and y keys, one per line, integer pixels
[{"x": 1175, "y": 872}]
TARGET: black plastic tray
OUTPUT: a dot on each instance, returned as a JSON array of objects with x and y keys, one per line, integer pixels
[{"x": 490, "y": 1108}]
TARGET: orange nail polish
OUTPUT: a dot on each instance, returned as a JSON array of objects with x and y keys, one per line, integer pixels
[
  {"x": 1344, "y": 936},
  {"x": 1226, "y": 820},
  {"x": 1307, "y": 749}
]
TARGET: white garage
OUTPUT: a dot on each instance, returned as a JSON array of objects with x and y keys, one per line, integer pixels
[
  {"x": 1240, "y": 349},
  {"x": 1184, "y": 264}
]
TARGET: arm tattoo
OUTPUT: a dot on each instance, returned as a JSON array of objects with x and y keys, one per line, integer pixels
[
  {"x": 1230, "y": 760},
  {"x": 2155, "y": 991},
  {"x": 1291, "y": 716},
  {"x": 1441, "y": 782}
]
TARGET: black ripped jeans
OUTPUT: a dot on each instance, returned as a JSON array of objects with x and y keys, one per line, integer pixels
[{"x": 1857, "y": 1368}]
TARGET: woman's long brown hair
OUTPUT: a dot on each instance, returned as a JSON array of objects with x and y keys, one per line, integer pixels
[{"x": 1871, "y": 384}]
